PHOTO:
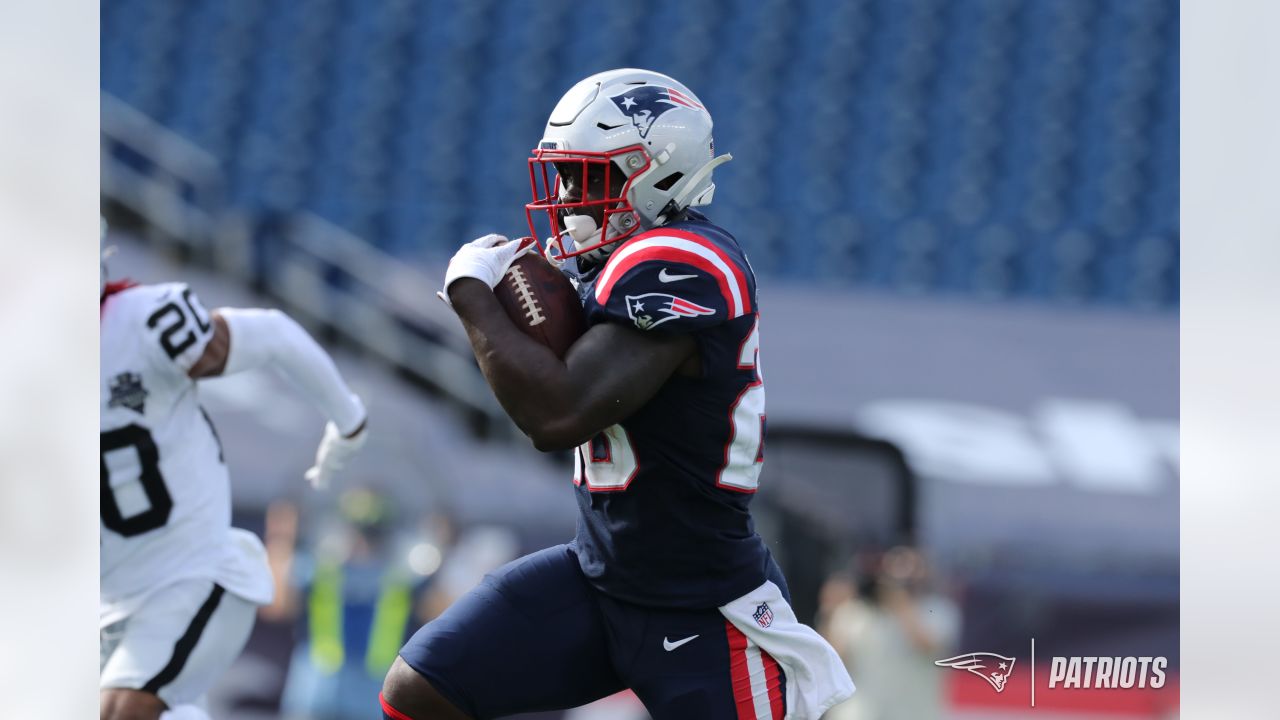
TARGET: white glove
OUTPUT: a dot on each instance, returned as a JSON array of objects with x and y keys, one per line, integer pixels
[
  {"x": 333, "y": 453},
  {"x": 486, "y": 259}
]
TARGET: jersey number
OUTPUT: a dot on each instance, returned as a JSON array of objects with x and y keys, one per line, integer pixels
[
  {"x": 159, "y": 502},
  {"x": 607, "y": 462},
  {"x": 177, "y": 320},
  {"x": 744, "y": 454}
]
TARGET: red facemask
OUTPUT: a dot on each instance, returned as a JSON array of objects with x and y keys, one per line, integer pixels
[{"x": 573, "y": 182}]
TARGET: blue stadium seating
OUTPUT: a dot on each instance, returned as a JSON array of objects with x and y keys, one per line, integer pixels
[{"x": 990, "y": 148}]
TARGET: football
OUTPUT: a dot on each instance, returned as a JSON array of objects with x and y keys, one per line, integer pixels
[{"x": 542, "y": 301}]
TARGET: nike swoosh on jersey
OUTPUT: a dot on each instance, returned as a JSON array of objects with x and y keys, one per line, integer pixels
[
  {"x": 665, "y": 277},
  {"x": 669, "y": 646}
]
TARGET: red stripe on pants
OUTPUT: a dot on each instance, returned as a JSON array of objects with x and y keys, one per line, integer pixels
[
  {"x": 739, "y": 672},
  {"x": 391, "y": 712},
  {"x": 772, "y": 677}
]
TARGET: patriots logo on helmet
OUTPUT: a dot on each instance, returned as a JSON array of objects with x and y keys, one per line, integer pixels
[
  {"x": 993, "y": 668},
  {"x": 645, "y": 103},
  {"x": 652, "y": 309}
]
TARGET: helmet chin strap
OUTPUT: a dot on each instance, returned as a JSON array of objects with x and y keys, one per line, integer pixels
[{"x": 579, "y": 230}]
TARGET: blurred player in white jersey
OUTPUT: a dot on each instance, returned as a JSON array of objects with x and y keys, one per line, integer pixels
[{"x": 179, "y": 586}]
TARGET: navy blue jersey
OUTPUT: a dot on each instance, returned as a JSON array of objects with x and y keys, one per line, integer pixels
[{"x": 663, "y": 495}]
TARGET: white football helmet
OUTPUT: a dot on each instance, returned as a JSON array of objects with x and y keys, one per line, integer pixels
[{"x": 624, "y": 150}]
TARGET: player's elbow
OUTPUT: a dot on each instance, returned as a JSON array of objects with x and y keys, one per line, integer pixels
[
  {"x": 563, "y": 433},
  {"x": 552, "y": 420},
  {"x": 544, "y": 441}
]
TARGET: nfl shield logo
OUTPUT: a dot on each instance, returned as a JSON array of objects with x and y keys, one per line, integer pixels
[{"x": 763, "y": 615}]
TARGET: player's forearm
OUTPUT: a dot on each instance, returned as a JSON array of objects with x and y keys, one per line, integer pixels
[
  {"x": 530, "y": 382},
  {"x": 270, "y": 338}
]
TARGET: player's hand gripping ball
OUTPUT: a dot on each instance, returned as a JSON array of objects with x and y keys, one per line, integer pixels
[
  {"x": 485, "y": 259},
  {"x": 542, "y": 302}
]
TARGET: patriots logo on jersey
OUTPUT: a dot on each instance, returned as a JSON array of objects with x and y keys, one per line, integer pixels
[
  {"x": 645, "y": 103},
  {"x": 652, "y": 309},
  {"x": 127, "y": 390}
]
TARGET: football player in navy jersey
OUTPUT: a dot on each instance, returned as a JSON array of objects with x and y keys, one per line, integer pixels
[{"x": 666, "y": 588}]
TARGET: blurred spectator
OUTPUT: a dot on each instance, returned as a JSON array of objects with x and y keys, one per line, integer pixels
[
  {"x": 479, "y": 550},
  {"x": 356, "y": 596},
  {"x": 889, "y": 632}
]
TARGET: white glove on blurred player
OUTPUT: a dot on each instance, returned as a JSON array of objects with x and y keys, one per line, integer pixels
[
  {"x": 333, "y": 453},
  {"x": 486, "y": 259}
]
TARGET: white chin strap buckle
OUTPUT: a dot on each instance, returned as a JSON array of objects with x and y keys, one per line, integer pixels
[{"x": 583, "y": 230}]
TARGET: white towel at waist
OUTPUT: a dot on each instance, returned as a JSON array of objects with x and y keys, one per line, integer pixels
[{"x": 816, "y": 678}]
